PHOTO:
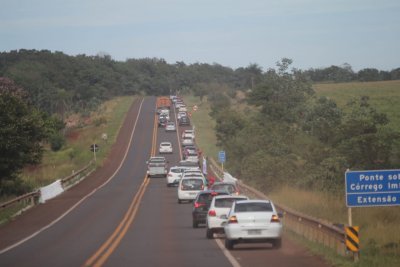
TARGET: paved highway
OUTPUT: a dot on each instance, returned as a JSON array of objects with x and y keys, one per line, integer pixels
[{"x": 130, "y": 220}]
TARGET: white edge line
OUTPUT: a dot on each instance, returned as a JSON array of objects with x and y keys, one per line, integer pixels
[
  {"x": 227, "y": 254},
  {"x": 83, "y": 199}
]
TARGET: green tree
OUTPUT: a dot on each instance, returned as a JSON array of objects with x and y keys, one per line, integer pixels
[
  {"x": 22, "y": 129},
  {"x": 365, "y": 142},
  {"x": 282, "y": 95},
  {"x": 322, "y": 119}
]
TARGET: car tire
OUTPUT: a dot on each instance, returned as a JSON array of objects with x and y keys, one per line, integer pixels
[
  {"x": 228, "y": 244},
  {"x": 277, "y": 244},
  {"x": 195, "y": 224},
  {"x": 179, "y": 201},
  {"x": 210, "y": 233}
]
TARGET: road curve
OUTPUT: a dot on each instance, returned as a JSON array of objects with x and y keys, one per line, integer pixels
[{"x": 131, "y": 220}]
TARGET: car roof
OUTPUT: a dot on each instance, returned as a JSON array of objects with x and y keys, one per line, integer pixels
[
  {"x": 215, "y": 191},
  {"x": 188, "y": 163},
  {"x": 224, "y": 183},
  {"x": 192, "y": 177},
  {"x": 179, "y": 167},
  {"x": 253, "y": 201},
  {"x": 157, "y": 158},
  {"x": 231, "y": 196}
]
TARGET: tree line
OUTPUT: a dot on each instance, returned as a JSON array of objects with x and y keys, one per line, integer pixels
[
  {"x": 39, "y": 88},
  {"x": 345, "y": 73},
  {"x": 59, "y": 83},
  {"x": 286, "y": 134}
]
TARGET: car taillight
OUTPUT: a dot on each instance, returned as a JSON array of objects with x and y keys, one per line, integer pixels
[
  {"x": 202, "y": 187},
  {"x": 198, "y": 205},
  {"x": 212, "y": 213},
  {"x": 275, "y": 218},
  {"x": 232, "y": 219}
]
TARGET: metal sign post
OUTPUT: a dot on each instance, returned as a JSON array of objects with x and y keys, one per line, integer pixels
[
  {"x": 369, "y": 189},
  {"x": 222, "y": 159},
  {"x": 94, "y": 148},
  {"x": 373, "y": 188}
]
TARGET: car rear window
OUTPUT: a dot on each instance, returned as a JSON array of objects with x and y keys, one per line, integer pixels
[
  {"x": 208, "y": 197},
  {"x": 227, "y": 187},
  {"x": 192, "y": 184},
  {"x": 205, "y": 198},
  {"x": 225, "y": 202},
  {"x": 253, "y": 207}
]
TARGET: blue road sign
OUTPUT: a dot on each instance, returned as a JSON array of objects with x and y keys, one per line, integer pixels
[
  {"x": 373, "y": 188},
  {"x": 221, "y": 156}
]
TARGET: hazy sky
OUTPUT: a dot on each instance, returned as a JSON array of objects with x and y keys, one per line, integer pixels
[{"x": 234, "y": 33}]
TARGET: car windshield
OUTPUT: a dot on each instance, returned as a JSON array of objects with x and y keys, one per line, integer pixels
[
  {"x": 226, "y": 202},
  {"x": 253, "y": 207},
  {"x": 192, "y": 184}
]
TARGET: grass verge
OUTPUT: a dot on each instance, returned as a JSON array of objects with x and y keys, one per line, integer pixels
[
  {"x": 76, "y": 153},
  {"x": 384, "y": 96},
  {"x": 204, "y": 126}
]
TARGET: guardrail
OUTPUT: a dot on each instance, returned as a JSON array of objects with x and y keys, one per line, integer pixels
[
  {"x": 311, "y": 228},
  {"x": 31, "y": 199},
  {"x": 75, "y": 177}
]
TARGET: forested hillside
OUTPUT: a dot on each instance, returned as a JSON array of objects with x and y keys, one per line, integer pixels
[
  {"x": 291, "y": 130},
  {"x": 285, "y": 134},
  {"x": 59, "y": 83}
]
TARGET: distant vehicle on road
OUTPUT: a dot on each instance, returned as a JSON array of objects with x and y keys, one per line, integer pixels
[
  {"x": 253, "y": 221},
  {"x": 187, "y": 141},
  {"x": 162, "y": 121},
  {"x": 189, "y": 187},
  {"x": 157, "y": 166},
  {"x": 230, "y": 187},
  {"x": 163, "y": 102},
  {"x": 180, "y": 115},
  {"x": 175, "y": 175},
  {"x": 184, "y": 121},
  {"x": 165, "y": 147},
  {"x": 189, "y": 133},
  {"x": 170, "y": 127}
]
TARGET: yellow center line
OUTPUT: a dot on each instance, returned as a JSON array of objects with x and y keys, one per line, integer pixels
[
  {"x": 105, "y": 251},
  {"x": 126, "y": 226}
]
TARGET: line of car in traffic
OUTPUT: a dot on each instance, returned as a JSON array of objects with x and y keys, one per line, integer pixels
[{"x": 219, "y": 207}]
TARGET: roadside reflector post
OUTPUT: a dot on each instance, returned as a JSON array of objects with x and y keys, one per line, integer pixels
[{"x": 353, "y": 241}]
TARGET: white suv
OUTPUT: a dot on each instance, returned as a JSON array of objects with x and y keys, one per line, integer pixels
[
  {"x": 175, "y": 175},
  {"x": 189, "y": 186}
]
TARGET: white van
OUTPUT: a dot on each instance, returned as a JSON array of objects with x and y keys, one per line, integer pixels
[{"x": 189, "y": 186}]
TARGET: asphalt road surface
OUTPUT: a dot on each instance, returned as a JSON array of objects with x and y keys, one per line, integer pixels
[{"x": 119, "y": 217}]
